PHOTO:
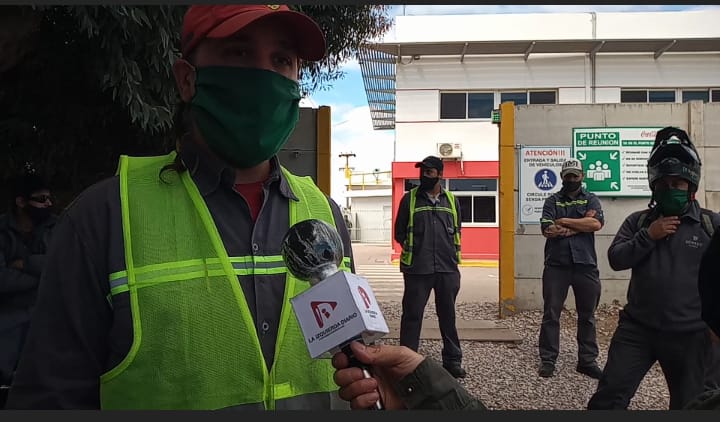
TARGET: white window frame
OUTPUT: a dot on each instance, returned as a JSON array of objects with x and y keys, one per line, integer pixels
[
  {"x": 496, "y": 100},
  {"x": 472, "y": 194},
  {"x": 467, "y": 108},
  {"x": 678, "y": 93}
]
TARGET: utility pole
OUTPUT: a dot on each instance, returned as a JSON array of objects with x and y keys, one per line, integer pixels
[{"x": 348, "y": 174}]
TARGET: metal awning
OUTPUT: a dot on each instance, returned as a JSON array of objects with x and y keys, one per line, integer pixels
[
  {"x": 378, "y": 72},
  {"x": 549, "y": 46},
  {"x": 378, "y": 61}
]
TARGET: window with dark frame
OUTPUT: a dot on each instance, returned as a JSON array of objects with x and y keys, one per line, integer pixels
[
  {"x": 484, "y": 209},
  {"x": 453, "y": 105},
  {"x": 465, "y": 203},
  {"x": 411, "y": 183},
  {"x": 661, "y": 96},
  {"x": 715, "y": 95},
  {"x": 480, "y": 105},
  {"x": 477, "y": 209},
  {"x": 633, "y": 96},
  {"x": 519, "y": 98},
  {"x": 691, "y": 95},
  {"x": 542, "y": 97},
  {"x": 469, "y": 185}
]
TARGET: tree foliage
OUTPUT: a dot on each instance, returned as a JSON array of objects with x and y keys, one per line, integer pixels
[{"x": 83, "y": 84}]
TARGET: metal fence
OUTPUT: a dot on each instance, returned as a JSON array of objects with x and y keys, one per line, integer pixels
[{"x": 371, "y": 226}]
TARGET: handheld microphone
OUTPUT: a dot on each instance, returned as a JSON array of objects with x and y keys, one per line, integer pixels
[{"x": 339, "y": 307}]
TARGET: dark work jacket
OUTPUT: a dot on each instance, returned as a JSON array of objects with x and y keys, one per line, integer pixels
[
  {"x": 434, "y": 249},
  {"x": 18, "y": 287},
  {"x": 663, "y": 290}
]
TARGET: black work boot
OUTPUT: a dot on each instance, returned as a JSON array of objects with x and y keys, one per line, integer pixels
[
  {"x": 546, "y": 369},
  {"x": 455, "y": 370},
  {"x": 592, "y": 370}
]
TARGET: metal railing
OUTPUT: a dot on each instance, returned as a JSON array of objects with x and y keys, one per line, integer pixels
[{"x": 362, "y": 180}]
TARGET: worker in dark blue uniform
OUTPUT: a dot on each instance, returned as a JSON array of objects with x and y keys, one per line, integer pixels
[{"x": 569, "y": 220}]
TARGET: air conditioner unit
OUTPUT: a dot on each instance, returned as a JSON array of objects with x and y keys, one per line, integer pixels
[{"x": 449, "y": 150}]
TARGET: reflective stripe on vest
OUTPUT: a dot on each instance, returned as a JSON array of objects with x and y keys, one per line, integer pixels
[
  {"x": 407, "y": 249},
  {"x": 179, "y": 271},
  {"x": 195, "y": 345}
]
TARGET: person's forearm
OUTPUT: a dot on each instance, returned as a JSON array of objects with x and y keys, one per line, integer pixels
[
  {"x": 585, "y": 224},
  {"x": 625, "y": 253},
  {"x": 430, "y": 386}
]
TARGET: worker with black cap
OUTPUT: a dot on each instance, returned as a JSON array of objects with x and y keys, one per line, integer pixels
[
  {"x": 662, "y": 246},
  {"x": 427, "y": 226}
]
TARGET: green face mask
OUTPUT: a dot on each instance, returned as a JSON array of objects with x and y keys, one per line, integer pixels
[
  {"x": 245, "y": 115},
  {"x": 671, "y": 201}
]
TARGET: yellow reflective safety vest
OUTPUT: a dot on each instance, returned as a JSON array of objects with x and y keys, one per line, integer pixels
[
  {"x": 406, "y": 255},
  {"x": 195, "y": 345}
]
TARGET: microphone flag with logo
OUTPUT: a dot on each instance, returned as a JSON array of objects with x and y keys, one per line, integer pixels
[{"x": 340, "y": 306}]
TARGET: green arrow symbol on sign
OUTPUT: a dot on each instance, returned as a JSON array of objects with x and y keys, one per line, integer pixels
[
  {"x": 582, "y": 156},
  {"x": 614, "y": 185},
  {"x": 614, "y": 155}
]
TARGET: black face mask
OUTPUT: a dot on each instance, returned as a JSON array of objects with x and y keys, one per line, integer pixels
[
  {"x": 428, "y": 183},
  {"x": 38, "y": 215},
  {"x": 571, "y": 187}
]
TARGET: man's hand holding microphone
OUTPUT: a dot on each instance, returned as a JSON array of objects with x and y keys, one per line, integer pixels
[{"x": 389, "y": 365}]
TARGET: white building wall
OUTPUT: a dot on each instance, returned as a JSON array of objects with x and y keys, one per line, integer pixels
[
  {"x": 419, "y": 84},
  {"x": 560, "y": 26},
  {"x": 421, "y": 77},
  {"x": 645, "y": 25},
  {"x": 607, "y": 95},
  {"x": 421, "y": 105},
  {"x": 671, "y": 70},
  {"x": 417, "y": 140},
  {"x": 492, "y": 27},
  {"x": 572, "y": 96},
  {"x": 477, "y": 73}
]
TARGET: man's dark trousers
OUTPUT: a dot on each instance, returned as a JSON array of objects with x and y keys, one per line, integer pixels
[
  {"x": 415, "y": 297},
  {"x": 634, "y": 349},
  {"x": 585, "y": 282}
]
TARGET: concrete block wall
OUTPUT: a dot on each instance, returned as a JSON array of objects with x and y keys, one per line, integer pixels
[{"x": 552, "y": 125}]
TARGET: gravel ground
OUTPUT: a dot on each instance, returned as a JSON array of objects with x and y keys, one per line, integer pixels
[{"x": 504, "y": 376}]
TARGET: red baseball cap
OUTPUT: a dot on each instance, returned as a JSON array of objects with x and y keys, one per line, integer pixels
[{"x": 222, "y": 21}]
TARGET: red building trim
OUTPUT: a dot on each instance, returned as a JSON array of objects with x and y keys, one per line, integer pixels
[{"x": 477, "y": 242}]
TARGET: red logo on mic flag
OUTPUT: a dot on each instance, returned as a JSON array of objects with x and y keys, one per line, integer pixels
[
  {"x": 322, "y": 310},
  {"x": 365, "y": 297}
]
